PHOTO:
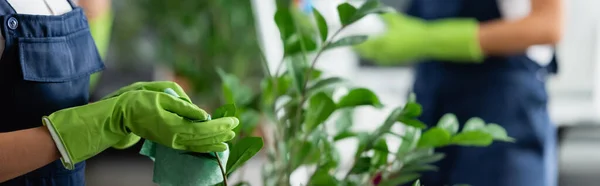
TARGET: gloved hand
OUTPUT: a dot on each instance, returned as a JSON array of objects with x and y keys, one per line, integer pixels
[
  {"x": 157, "y": 86},
  {"x": 408, "y": 39},
  {"x": 84, "y": 131}
]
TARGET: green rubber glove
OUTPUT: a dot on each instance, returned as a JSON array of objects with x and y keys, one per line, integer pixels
[
  {"x": 409, "y": 39},
  {"x": 84, "y": 131},
  {"x": 157, "y": 86}
]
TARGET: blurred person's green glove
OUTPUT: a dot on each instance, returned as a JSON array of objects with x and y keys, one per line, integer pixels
[
  {"x": 84, "y": 131},
  {"x": 157, "y": 86},
  {"x": 408, "y": 39}
]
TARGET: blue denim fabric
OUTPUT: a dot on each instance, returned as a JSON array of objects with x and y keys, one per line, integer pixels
[
  {"x": 508, "y": 90},
  {"x": 45, "y": 67}
]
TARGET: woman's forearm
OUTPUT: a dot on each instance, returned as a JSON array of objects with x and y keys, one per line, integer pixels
[
  {"x": 24, "y": 151},
  {"x": 542, "y": 26}
]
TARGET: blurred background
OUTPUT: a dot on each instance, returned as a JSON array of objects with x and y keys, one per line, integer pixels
[{"x": 185, "y": 40}]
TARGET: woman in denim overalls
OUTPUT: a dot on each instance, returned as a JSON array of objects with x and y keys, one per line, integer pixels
[
  {"x": 45, "y": 71},
  {"x": 488, "y": 59}
]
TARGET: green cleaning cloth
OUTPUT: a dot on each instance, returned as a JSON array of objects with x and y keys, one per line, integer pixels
[{"x": 176, "y": 168}]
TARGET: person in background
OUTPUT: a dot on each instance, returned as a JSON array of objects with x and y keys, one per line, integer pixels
[
  {"x": 487, "y": 59},
  {"x": 49, "y": 129}
]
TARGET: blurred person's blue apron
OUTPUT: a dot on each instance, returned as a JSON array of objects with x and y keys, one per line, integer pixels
[
  {"x": 45, "y": 67},
  {"x": 508, "y": 90}
]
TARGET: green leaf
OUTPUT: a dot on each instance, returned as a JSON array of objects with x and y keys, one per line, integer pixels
[
  {"x": 299, "y": 43},
  {"x": 361, "y": 165},
  {"x": 323, "y": 177},
  {"x": 249, "y": 120},
  {"x": 227, "y": 110},
  {"x": 346, "y": 13},
  {"x": 401, "y": 179},
  {"x": 417, "y": 183},
  {"x": 319, "y": 109},
  {"x": 371, "y": 7},
  {"x": 233, "y": 90},
  {"x": 344, "y": 121},
  {"x": 364, "y": 140},
  {"x": 380, "y": 156},
  {"x": 498, "y": 133},
  {"x": 412, "y": 122},
  {"x": 285, "y": 23},
  {"x": 323, "y": 84},
  {"x": 412, "y": 168},
  {"x": 414, "y": 156},
  {"x": 412, "y": 98},
  {"x": 410, "y": 139},
  {"x": 331, "y": 158},
  {"x": 297, "y": 74},
  {"x": 384, "y": 128},
  {"x": 242, "y": 151},
  {"x": 347, "y": 41},
  {"x": 434, "y": 137},
  {"x": 242, "y": 184},
  {"x": 344, "y": 135},
  {"x": 305, "y": 152},
  {"x": 474, "y": 124},
  {"x": 321, "y": 24},
  {"x": 473, "y": 138},
  {"x": 427, "y": 159},
  {"x": 412, "y": 110},
  {"x": 359, "y": 97},
  {"x": 449, "y": 123}
]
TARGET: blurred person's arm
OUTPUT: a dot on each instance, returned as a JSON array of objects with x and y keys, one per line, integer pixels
[
  {"x": 543, "y": 25},
  {"x": 464, "y": 39},
  {"x": 24, "y": 151}
]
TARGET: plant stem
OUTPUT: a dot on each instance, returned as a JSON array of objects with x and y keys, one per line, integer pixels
[{"x": 222, "y": 169}]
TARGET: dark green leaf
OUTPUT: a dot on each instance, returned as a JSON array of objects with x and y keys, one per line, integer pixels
[
  {"x": 412, "y": 122},
  {"x": 412, "y": 110},
  {"x": 297, "y": 74},
  {"x": 434, "y": 137},
  {"x": 414, "y": 168},
  {"x": 299, "y": 44},
  {"x": 384, "y": 128},
  {"x": 346, "y": 13},
  {"x": 344, "y": 120},
  {"x": 427, "y": 159},
  {"x": 361, "y": 165},
  {"x": 323, "y": 84},
  {"x": 498, "y": 133},
  {"x": 449, "y": 123},
  {"x": 380, "y": 156},
  {"x": 359, "y": 97},
  {"x": 401, "y": 179},
  {"x": 242, "y": 151},
  {"x": 417, "y": 183},
  {"x": 473, "y": 138},
  {"x": 347, "y": 41},
  {"x": 344, "y": 135},
  {"x": 409, "y": 140},
  {"x": 474, "y": 124},
  {"x": 227, "y": 110},
  {"x": 323, "y": 177},
  {"x": 320, "y": 108},
  {"x": 321, "y": 24},
  {"x": 285, "y": 23},
  {"x": 364, "y": 140}
]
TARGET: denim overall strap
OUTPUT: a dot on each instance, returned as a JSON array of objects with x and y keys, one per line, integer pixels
[{"x": 45, "y": 67}]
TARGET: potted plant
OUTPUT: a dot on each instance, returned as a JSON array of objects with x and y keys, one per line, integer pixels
[{"x": 298, "y": 102}]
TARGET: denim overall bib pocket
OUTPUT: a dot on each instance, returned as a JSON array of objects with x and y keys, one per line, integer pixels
[{"x": 45, "y": 67}]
